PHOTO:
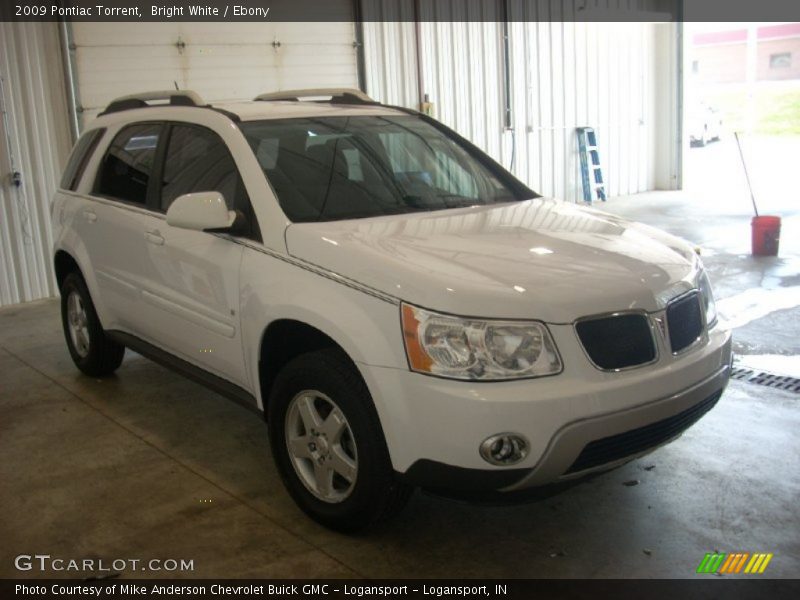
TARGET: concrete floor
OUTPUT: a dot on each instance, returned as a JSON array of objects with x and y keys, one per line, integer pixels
[{"x": 149, "y": 465}]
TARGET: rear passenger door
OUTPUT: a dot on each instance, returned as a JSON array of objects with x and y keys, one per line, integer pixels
[
  {"x": 111, "y": 225},
  {"x": 191, "y": 278}
]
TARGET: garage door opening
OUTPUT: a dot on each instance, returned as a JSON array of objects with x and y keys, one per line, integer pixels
[{"x": 742, "y": 78}]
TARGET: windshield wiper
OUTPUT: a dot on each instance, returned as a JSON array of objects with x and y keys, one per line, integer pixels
[{"x": 458, "y": 201}]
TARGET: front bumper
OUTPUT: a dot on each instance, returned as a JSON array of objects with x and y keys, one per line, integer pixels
[
  {"x": 606, "y": 442},
  {"x": 580, "y": 422}
]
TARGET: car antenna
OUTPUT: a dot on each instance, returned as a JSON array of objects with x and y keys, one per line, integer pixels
[{"x": 176, "y": 85}]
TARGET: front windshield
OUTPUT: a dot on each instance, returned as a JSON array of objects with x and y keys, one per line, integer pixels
[{"x": 331, "y": 168}]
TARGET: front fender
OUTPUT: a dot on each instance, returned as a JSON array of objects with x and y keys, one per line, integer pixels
[{"x": 366, "y": 327}]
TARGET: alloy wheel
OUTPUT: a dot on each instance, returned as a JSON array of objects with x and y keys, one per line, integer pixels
[
  {"x": 321, "y": 446},
  {"x": 78, "y": 322}
]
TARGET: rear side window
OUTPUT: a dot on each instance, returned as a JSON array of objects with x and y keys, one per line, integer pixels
[
  {"x": 128, "y": 164},
  {"x": 79, "y": 158},
  {"x": 198, "y": 160}
]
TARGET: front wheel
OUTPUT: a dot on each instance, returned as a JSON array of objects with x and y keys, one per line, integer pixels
[
  {"x": 328, "y": 444},
  {"x": 91, "y": 349}
]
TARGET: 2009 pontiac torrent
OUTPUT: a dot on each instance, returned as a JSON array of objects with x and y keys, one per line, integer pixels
[{"x": 403, "y": 310}]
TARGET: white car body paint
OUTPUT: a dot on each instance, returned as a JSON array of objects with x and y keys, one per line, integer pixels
[
  {"x": 541, "y": 259},
  {"x": 208, "y": 298}
]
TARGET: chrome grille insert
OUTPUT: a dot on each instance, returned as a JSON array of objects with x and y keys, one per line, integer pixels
[
  {"x": 618, "y": 341},
  {"x": 684, "y": 321}
]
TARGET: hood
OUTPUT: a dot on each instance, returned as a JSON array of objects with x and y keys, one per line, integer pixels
[{"x": 538, "y": 259}]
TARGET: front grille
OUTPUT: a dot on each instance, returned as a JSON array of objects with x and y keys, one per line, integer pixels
[
  {"x": 616, "y": 447},
  {"x": 618, "y": 341},
  {"x": 684, "y": 321}
]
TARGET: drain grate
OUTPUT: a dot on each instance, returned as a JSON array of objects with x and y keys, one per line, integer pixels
[{"x": 782, "y": 382}]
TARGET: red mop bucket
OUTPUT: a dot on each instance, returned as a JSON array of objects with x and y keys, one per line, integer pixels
[
  {"x": 766, "y": 235},
  {"x": 766, "y": 230}
]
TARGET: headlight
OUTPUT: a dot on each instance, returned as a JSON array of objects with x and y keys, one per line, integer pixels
[
  {"x": 704, "y": 285},
  {"x": 477, "y": 349}
]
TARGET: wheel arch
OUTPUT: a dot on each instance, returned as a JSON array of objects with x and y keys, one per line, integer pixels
[
  {"x": 64, "y": 264},
  {"x": 283, "y": 340},
  {"x": 66, "y": 261}
]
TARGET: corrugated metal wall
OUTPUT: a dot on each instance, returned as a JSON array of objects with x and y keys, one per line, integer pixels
[
  {"x": 562, "y": 76},
  {"x": 390, "y": 61},
  {"x": 220, "y": 61},
  {"x": 568, "y": 75},
  {"x": 461, "y": 64},
  {"x": 35, "y": 137}
]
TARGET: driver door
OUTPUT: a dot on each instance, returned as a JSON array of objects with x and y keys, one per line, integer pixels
[{"x": 192, "y": 277}]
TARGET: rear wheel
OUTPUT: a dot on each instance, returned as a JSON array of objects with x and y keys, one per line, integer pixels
[
  {"x": 328, "y": 444},
  {"x": 91, "y": 349}
]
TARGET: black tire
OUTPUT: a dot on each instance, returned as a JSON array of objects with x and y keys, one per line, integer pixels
[
  {"x": 376, "y": 495},
  {"x": 103, "y": 355}
]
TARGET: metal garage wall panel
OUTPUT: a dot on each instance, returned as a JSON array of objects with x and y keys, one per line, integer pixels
[
  {"x": 461, "y": 68},
  {"x": 390, "y": 53},
  {"x": 34, "y": 136},
  {"x": 221, "y": 61},
  {"x": 567, "y": 75},
  {"x": 563, "y": 75},
  {"x": 665, "y": 81}
]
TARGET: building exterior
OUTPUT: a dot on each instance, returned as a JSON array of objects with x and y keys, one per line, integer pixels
[{"x": 721, "y": 56}]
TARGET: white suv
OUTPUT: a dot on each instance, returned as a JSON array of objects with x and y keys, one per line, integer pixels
[{"x": 403, "y": 310}]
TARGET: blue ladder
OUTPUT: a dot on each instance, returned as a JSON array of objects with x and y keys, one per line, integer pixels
[{"x": 593, "y": 187}]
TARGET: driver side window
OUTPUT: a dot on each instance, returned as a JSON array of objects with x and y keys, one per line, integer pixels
[{"x": 197, "y": 160}]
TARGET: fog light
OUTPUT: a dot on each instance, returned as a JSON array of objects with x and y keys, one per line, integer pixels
[{"x": 504, "y": 449}]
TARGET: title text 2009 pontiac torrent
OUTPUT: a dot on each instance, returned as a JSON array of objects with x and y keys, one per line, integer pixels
[{"x": 403, "y": 310}]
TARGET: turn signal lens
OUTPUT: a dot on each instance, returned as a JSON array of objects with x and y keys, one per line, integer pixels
[{"x": 417, "y": 357}]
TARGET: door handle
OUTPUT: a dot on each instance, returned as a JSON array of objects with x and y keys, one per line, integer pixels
[
  {"x": 154, "y": 237},
  {"x": 90, "y": 216}
]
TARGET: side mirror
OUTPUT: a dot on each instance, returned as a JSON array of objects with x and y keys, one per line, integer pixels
[{"x": 200, "y": 211}]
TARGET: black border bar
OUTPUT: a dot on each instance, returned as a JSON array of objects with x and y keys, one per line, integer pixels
[
  {"x": 709, "y": 586},
  {"x": 400, "y": 10}
]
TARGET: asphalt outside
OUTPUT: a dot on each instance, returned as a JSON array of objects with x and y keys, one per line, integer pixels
[{"x": 147, "y": 465}]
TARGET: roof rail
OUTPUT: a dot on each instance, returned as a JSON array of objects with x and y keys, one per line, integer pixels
[
  {"x": 342, "y": 95},
  {"x": 175, "y": 97}
]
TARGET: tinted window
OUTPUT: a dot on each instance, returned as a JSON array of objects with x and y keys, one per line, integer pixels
[
  {"x": 80, "y": 155},
  {"x": 128, "y": 164},
  {"x": 197, "y": 160},
  {"x": 351, "y": 167}
]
